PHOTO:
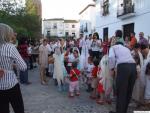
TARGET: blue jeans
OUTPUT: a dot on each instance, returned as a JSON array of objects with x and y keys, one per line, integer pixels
[{"x": 24, "y": 74}]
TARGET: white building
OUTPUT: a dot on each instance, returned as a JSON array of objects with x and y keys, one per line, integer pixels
[
  {"x": 60, "y": 27},
  {"x": 127, "y": 15},
  {"x": 87, "y": 19},
  {"x": 71, "y": 28}
]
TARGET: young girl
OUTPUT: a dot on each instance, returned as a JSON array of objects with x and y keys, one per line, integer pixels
[
  {"x": 50, "y": 65},
  {"x": 70, "y": 59},
  {"x": 74, "y": 80},
  {"x": 76, "y": 58},
  {"x": 90, "y": 66},
  {"x": 94, "y": 79},
  {"x": 59, "y": 68}
]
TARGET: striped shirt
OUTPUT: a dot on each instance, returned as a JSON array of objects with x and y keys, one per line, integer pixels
[{"x": 8, "y": 55}]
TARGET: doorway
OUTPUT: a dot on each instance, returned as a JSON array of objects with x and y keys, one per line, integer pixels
[{"x": 127, "y": 29}]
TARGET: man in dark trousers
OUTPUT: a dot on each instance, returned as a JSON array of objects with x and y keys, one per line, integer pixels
[{"x": 120, "y": 58}]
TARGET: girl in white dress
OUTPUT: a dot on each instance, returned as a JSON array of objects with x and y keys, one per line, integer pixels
[
  {"x": 84, "y": 55},
  {"x": 59, "y": 68}
]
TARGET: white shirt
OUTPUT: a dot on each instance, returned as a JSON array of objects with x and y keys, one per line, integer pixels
[
  {"x": 71, "y": 42},
  {"x": 89, "y": 42},
  {"x": 54, "y": 46},
  {"x": 29, "y": 50},
  {"x": 71, "y": 57},
  {"x": 80, "y": 42},
  {"x": 119, "y": 54},
  {"x": 49, "y": 48},
  {"x": 90, "y": 67},
  {"x": 95, "y": 46}
]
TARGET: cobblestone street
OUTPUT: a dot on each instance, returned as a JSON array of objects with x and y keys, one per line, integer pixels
[{"x": 46, "y": 99}]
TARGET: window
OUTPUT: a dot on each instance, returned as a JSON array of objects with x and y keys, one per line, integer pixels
[
  {"x": 73, "y": 26},
  {"x": 73, "y": 34},
  {"x": 125, "y": 7},
  {"x": 81, "y": 29},
  {"x": 48, "y": 34},
  {"x": 67, "y": 33},
  {"x": 55, "y": 26},
  {"x": 67, "y": 25},
  {"x": 105, "y": 7},
  {"x": 86, "y": 27}
]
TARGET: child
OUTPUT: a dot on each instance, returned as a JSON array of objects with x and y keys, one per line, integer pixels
[
  {"x": 94, "y": 79},
  {"x": 59, "y": 68},
  {"x": 105, "y": 81},
  {"x": 90, "y": 66},
  {"x": 70, "y": 58},
  {"x": 51, "y": 65},
  {"x": 76, "y": 58},
  {"x": 74, "y": 80}
]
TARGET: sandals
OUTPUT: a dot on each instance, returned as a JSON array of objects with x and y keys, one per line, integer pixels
[
  {"x": 91, "y": 97},
  {"x": 101, "y": 102}
]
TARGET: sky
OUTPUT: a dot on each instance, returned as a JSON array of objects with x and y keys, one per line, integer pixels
[{"x": 67, "y": 9}]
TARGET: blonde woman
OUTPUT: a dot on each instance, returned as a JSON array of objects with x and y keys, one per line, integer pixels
[{"x": 10, "y": 92}]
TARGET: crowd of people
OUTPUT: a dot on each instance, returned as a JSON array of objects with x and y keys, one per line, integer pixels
[
  {"x": 111, "y": 68},
  {"x": 115, "y": 67}
]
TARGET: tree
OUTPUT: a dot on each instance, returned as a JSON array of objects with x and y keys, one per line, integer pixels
[
  {"x": 30, "y": 7},
  {"x": 25, "y": 24}
]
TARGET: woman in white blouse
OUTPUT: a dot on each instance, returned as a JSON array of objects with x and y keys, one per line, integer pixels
[
  {"x": 95, "y": 46},
  {"x": 10, "y": 92}
]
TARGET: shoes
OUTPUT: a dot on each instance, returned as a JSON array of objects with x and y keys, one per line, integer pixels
[
  {"x": 101, "y": 102},
  {"x": 108, "y": 101},
  {"x": 43, "y": 83},
  {"x": 71, "y": 95},
  {"x": 91, "y": 97},
  {"x": 112, "y": 112},
  {"x": 77, "y": 94},
  {"x": 26, "y": 83}
]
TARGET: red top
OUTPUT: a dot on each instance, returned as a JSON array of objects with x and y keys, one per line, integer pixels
[
  {"x": 74, "y": 73},
  {"x": 94, "y": 71},
  {"x": 105, "y": 47},
  {"x": 23, "y": 50},
  {"x": 133, "y": 42}
]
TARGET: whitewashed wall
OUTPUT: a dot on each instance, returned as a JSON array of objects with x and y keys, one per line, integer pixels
[
  {"x": 88, "y": 16},
  {"x": 141, "y": 19}
]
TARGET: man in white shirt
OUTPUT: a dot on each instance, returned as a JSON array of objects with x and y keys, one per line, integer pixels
[
  {"x": 80, "y": 43},
  {"x": 49, "y": 48},
  {"x": 120, "y": 57}
]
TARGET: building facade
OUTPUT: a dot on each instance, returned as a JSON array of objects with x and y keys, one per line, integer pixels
[
  {"x": 127, "y": 15},
  {"x": 87, "y": 19},
  {"x": 60, "y": 27}
]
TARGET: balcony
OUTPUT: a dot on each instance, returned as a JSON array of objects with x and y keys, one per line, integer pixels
[{"x": 126, "y": 11}]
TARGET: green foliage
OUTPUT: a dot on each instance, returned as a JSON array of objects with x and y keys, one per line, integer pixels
[
  {"x": 30, "y": 7},
  {"x": 24, "y": 24}
]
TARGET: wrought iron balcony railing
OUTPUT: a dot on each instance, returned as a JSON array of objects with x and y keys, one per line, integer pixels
[{"x": 126, "y": 9}]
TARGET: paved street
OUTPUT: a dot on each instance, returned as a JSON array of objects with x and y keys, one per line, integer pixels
[{"x": 46, "y": 99}]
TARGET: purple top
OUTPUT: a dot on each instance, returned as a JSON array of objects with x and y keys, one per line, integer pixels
[{"x": 143, "y": 41}]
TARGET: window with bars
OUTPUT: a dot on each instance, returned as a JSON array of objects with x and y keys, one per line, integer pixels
[
  {"x": 73, "y": 26},
  {"x": 105, "y": 7},
  {"x": 125, "y": 7},
  {"x": 55, "y": 26}
]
